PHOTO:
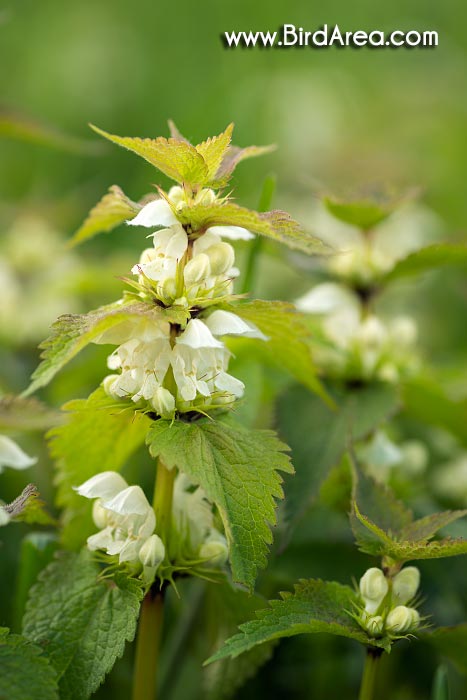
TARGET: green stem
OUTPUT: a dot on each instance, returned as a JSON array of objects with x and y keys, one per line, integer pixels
[
  {"x": 267, "y": 193},
  {"x": 147, "y": 646},
  {"x": 367, "y": 687},
  {"x": 162, "y": 503},
  {"x": 146, "y": 669}
]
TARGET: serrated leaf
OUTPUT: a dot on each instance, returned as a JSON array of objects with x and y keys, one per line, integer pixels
[
  {"x": 433, "y": 257},
  {"x": 213, "y": 151},
  {"x": 363, "y": 213},
  {"x": 19, "y": 413},
  {"x": 179, "y": 160},
  {"x": 384, "y": 527},
  {"x": 451, "y": 642},
  {"x": 225, "y": 609},
  {"x": 238, "y": 469},
  {"x": 319, "y": 436},
  {"x": 28, "y": 507},
  {"x": 97, "y": 436},
  {"x": 276, "y": 224},
  {"x": 82, "y": 622},
  {"x": 112, "y": 210},
  {"x": 288, "y": 339},
  {"x": 315, "y": 606},
  {"x": 425, "y": 528},
  {"x": 233, "y": 157},
  {"x": 73, "y": 332},
  {"x": 25, "y": 673}
]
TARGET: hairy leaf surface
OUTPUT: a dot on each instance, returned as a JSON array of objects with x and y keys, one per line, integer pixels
[
  {"x": 81, "y": 622},
  {"x": 238, "y": 469}
]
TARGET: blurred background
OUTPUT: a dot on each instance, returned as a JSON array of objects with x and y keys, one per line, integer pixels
[{"x": 342, "y": 119}]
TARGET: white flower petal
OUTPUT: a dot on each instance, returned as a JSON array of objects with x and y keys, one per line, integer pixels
[
  {"x": 225, "y": 382},
  {"x": 233, "y": 233},
  {"x": 129, "y": 551},
  {"x": 325, "y": 298},
  {"x": 156, "y": 213},
  {"x": 103, "y": 485},
  {"x": 197, "y": 335},
  {"x": 11, "y": 455},
  {"x": 130, "y": 501},
  {"x": 4, "y": 517},
  {"x": 226, "y": 323},
  {"x": 101, "y": 540}
]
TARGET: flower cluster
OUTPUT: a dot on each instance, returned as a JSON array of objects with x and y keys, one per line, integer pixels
[
  {"x": 386, "y": 610},
  {"x": 158, "y": 363},
  {"x": 357, "y": 344},
  {"x": 127, "y": 522}
]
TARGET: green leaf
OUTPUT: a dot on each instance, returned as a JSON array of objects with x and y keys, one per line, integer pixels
[
  {"x": 19, "y": 413},
  {"x": 226, "y": 608},
  {"x": 315, "y": 606},
  {"x": 451, "y": 642},
  {"x": 427, "y": 400},
  {"x": 213, "y": 151},
  {"x": 276, "y": 224},
  {"x": 28, "y": 507},
  {"x": 234, "y": 157},
  {"x": 432, "y": 257},
  {"x": 383, "y": 526},
  {"x": 25, "y": 673},
  {"x": 72, "y": 333},
  {"x": 97, "y": 436},
  {"x": 179, "y": 160},
  {"x": 112, "y": 210},
  {"x": 319, "y": 436},
  {"x": 441, "y": 684},
  {"x": 288, "y": 344},
  {"x": 238, "y": 469},
  {"x": 231, "y": 155},
  {"x": 363, "y": 213},
  {"x": 37, "y": 551},
  {"x": 81, "y": 621}
]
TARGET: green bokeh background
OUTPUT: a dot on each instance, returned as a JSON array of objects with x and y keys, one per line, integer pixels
[{"x": 341, "y": 118}]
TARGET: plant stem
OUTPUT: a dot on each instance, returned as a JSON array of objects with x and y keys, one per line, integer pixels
[
  {"x": 147, "y": 646},
  {"x": 146, "y": 668},
  {"x": 267, "y": 193},
  {"x": 367, "y": 687},
  {"x": 162, "y": 503}
]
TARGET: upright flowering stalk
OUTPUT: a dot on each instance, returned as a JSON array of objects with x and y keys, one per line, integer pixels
[{"x": 170, "y": 386}]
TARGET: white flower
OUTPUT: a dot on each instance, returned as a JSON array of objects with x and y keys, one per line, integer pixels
[
  {"x": 194, "y": 521},
  {"x": 357, "y": 345},
  {"x": 373, "y": 589},
  {"x": 200, "y": 362},
  {"x": 402, "y": 620},
  {"x": 4, "y": 516},
  {"x": 405, "y": 584},
  {"x": 11, "y": 455},
  {"x": 122, "y": 512}
]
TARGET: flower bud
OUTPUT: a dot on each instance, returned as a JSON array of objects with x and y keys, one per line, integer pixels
[
  {"x": 152, "y": 552},
  {"x": 222, "y": 257},
  {"x": 197, "y": 269},
  {"x": 108, "y": 383},
  {"x": 405, "y": 584},
  {"x": 402, "y": 620},
  {"x": 163, "y": 402},
  {"x": 206, "y": 197},
  {"x": 214, "y": 550},
  {"x": 168, "y": 289},
  {"x": 373, "y": 589},
  {"x": 100, "y": 514},
  {"x": 374, "y": 625}
]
